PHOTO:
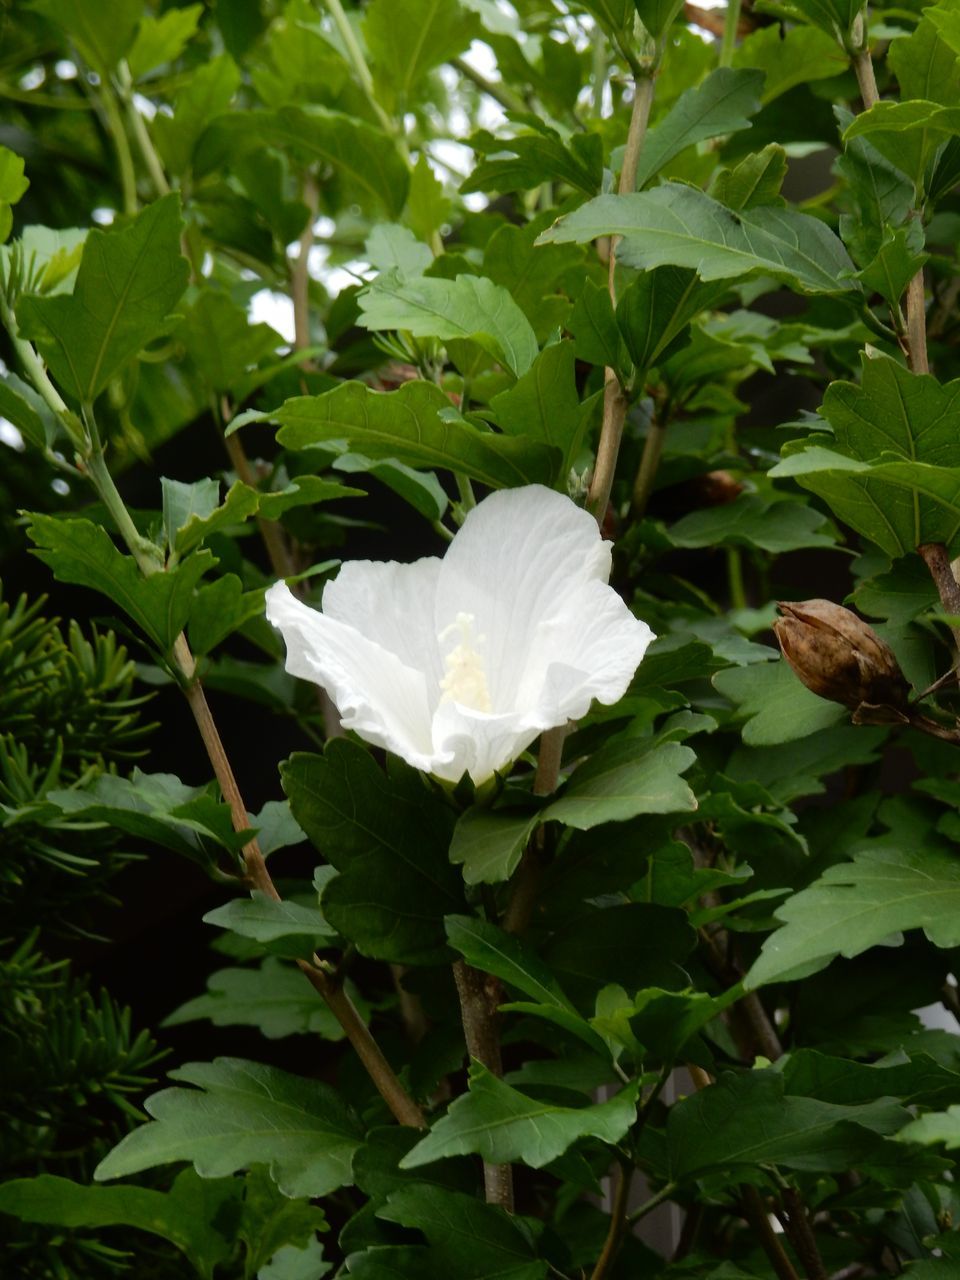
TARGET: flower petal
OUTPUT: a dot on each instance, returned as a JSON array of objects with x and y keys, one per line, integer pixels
[
  {"x": 377, "y": 695},
  {"x": 512, "y": 566},
  {"x": 477, "y": 742},
  {"x": 393, "y": 605}
]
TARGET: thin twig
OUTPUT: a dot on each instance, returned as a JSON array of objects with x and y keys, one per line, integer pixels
[
  {"x": 479, "y": 997},
  {"x": 801, "y": 1234},
  {"x": 618, "y": 1224},
  {"x": 935, "y": 557},
  {"x": 496, "y": 90},
  {"x": 755, "y": 1213},
  {"x": 300, "y": 274},
  {"x": 917, "y": 325}
]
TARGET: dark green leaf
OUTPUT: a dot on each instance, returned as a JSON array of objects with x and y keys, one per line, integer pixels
[
  {"x": 543, "y": 404},
  {"x": 491, "y": 950},
  {"x": 388, "y": 838},
  {"x": 756, "y": 180},
  {"x": 102, "y": 35},
  {"x": 777, "y": 707},
  {"x": 128, "y": 281},
  {"x": 622, "y": 780},
  {"x": 240, "y": 1114},
  {"x": 754, "y": 522},
  {"x": 276, "y": 999},
  {"x": 655, "y": 310},
  {"x": 266, "y": 921}
]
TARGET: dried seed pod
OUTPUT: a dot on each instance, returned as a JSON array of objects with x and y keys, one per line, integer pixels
[{"x": 838, "y": 656}]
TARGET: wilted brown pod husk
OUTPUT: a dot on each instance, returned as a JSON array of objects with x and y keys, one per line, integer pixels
[{"x": 838, "y": 656}]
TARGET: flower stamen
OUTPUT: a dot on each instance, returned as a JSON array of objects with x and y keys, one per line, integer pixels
[{"x": 466, "y": 679}]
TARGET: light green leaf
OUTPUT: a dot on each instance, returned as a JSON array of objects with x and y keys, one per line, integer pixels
[
  {"x": 679, "y": 225},
  {"x": 756, "y": 180},
  {"x": 721, "y": 105},
  {"x": 187, "y": 1215},
  {"x": 273, "y": 1226},
  {"x": 13, "y": 185},
  {"x": 128, "y": 281},
  {"x": 240, "y": 503},
  {"x": 408, "y": 38},
  {"x": 925, "y": 64},
  {"x": 162, "y": 39},
  {"x": 240, "y": 1114},
  {"x": 776, "y": 706},
  {"x": 937, "y": 1127},
  {"x": 219, "y": 608},
  {"x": 752, "y": 521},
  {"x": 502, "y": 1125},
  {"x": 390, "y": 246},
  {"x": 182, "y": 502},
  {"x": 294, "y": 1263},
  {"x": 28, "y": 411},
  {"x": 836, "y": 17},
  {"x": 489, "y": 843},
  {"x": 470, "y": 307},
  {"x": 83, "y": 553},
  {"x": 657, "y": 15},
  {"x": 622, "y": 780},
  {"x": 406, "y": 424},
  {"x": 857, "y": 905},
  {"x": 265, "y": 920},
  {"x": 906, "y": 133},
  {"x": 789, "y": 57},
  {"x": 206, "y": 94},
  {"x": 276, "y": 999}
]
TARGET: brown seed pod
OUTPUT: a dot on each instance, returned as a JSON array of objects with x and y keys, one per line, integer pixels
[{"x": 838, "y": 656}]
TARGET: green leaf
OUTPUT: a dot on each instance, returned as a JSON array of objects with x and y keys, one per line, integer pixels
[
  {"x": 163, "y": 39},
  {"x": 222, "y": 343},
  {"x": 489, "y": 843},
  {"x": 406, "y": 424},
  {"x": 28, "y": 412},
  {"x": 470, "y": 307},
  {"x": 529, "y": 159},
  {"x": 13, "y": 185},
  {"x": 633, "y": 944},
  {"x": 390, "y": 246},
  {"x": 752, "y": 521},
  {"x": 240, "y": 1114},
  {"x": 788, "y": 58},
  {"x": 276, "y": 999},
  {"x": 181, "y": 502},
  {"x": 656, "y": 309},
  {"x": 543, "y": 404},
  {"x": 538, "y": 279},
  {"x": 880, "y": 194},
  {"x": 756, "y": 180},
  {"x": 938, "y": 1127},
  {"x": 188, "y": 1215},
  {"x": 101, "y": 34},
  {"x": 915, "y": 1080},
  {"x": 219, "y": 608},
  {"x": 264, "y": 920},
  {"x": 906, "y": 133},
  {"x": 128, "y": 281},
  {"x": 836, "y": 17},
  {"x": 594, "y": 326},
  {"x": 892, "y": 414},
  {"x": 408, "y": 38},
  {"x": 197, "y": 525},
  {"x": 615, "y": 15},
  {"x": 721, "y": 105},
  {"x": 624, "y": 779},
  {"x": 897, "y": 261},
  {"x": 657, "y": 15},
  {"x": 491, "y": 950},
  {"x": 365, "y": 160},
  {"x": 272, "y": 1224},
  {"x": 503, "y": 1125},
  {"x": 925, "y": 64},
  {"x": 206, "y": 94},
  {"x": 776, "y": 706},
  {"x": 467, "y": 1238},
  {"x": 83, "y": 553},
  {"x": 747, "y": 1120},
  {"x": 293, "y": 1263},
  {"x": 857, "y": 905},
  {"x": 388, "y": 836},
  {"x": 678, "y": 225}
]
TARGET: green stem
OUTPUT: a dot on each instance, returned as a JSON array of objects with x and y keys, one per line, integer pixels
[
  {"x": 649, "y": 463},
  {"x": 128, "y": 177},
  {"x": 34, "y": 369},
  {"x": 738, "y": 595},
  {"x": 731, "y": 24},
  {"x": 468, "y": 498},
  {"x": 664, "y": 1193},
  {"x": 142, "y": 133},
  {"x": 499, "y": 92},
  {"x": 147, "y": 555},
  {"x": 355, "y": 54}
]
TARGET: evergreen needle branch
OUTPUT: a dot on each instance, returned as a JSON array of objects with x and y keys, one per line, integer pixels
[{"x": 479, "y": 995}]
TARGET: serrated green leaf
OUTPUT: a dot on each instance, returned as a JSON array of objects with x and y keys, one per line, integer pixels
[
  {"x": 906, "y": 133},
  {"x": 407, "y": 38},
  {"x": 489, "y": 843},
  {"x": 102, "y": 35},
  {"x": 655, "y": 310},
  {"x": 543, "y": 404},
  {"x": 265, "y": 920},
  {"x": 529, "y": 159},
  {"x": 206, "y": 94},
  {"x": 83, "y": 553},
  {"x": 491, "y": 950},
  {"x": 776, "y": 706},
  {"x": 128, "y": 281},
  {"x": 407, "y": 424},
  {"x": 272, "y": 1226},
  {"x": 188, "y": 1216},
  {"x": 242, "y": 1113},
  {"x": 219, "y": 608},
  {"x": 388, "y": 838},
  {"x": 857, "y": 905},
  {"x": 751, "y": 521},
  {"x": 502, "y": 1125},
  {"x": 13, "y": 185},
  {"x": 221, "y": 341},
  {"x": 181, "y": 502},
  {"x": 756, "y": 180},
  {"x": 276, "y": 999},
  {"x": 470, "y": 307},
  {"x": 679, "y": 225},
  {"x": 789, "y": 57},
  {"x": 721, "y": 105},
  {"x": 162, "y": 39},
  {"x": 937, "y": 1127},
  {"x": 836, "y": 17},
  {"x": 622, "y": 780}
]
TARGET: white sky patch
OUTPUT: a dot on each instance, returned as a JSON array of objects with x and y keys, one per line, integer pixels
[
  {"x": 59, "y": 486},
  {"x": 145, "y": 106},
  {"x": 103, "y": 216},
  {"x": 274, "y": 309},
  {"x": 65, "y": 69},
  {"x": 32, "y": 79},
  {"x": 11, "y": 436}
]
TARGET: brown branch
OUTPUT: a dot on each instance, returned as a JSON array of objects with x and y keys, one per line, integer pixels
[
  {"x": 755, "y": 1213},
  {"x": 300, "y": 273},
  {"x": 618, "y": 1223},
  {"x": 917, "y": 325},
  {"x": 801, "y": 1234},
  {"x": 935, "y": 557},
  {"x": 479, "y": 1000}
]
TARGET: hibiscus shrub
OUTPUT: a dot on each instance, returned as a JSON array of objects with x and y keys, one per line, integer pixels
[{"x": 563, "y": 926}]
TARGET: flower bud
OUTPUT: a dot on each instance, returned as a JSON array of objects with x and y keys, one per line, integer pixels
[{"x": 839, "y": 657}]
